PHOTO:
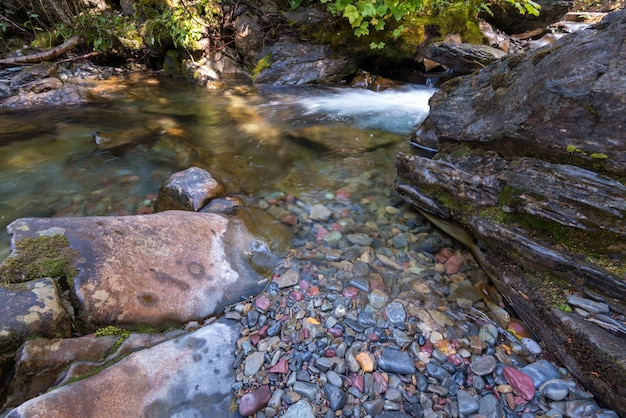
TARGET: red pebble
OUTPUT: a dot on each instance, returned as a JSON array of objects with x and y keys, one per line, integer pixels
[
  {"x": 350, "y": 292},
  {"x": 313, "y": 291},
  {"x": 254, "y": 401},
  {"x": 454, "y": 264},
  {"x": 262, "y": 303},
  {"x": 428, "y": 347},
  {"x": 321, "y": 233},
  {"x": 358, "y": 383},
  {"x": 454, "y": 360},
  {"x": 373, "y": 337},
  {"x": 330, "y": 353},
  {"x": 520, "y": 382},
  {"x": 336, "y": 226},
  {"x": 254, "y": 339},
  {"x": 335, "y": 332},
  {"x": 263, "y": 331},
  {"x": 281, "y": 367},
  {"x": 296, "y": 295},
  {"x": 342, "y": 194}
]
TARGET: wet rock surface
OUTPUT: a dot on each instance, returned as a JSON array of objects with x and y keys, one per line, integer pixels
[
  {"x": 378, "y": 326},
  {"x": 181, "y": 376},
  {"x": 171, "y": 281},
  {"x": 374, "y": 312},
  {"x": 538, "y": 184}
]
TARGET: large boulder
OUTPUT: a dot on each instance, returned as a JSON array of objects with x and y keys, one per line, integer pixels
[
  {"x": 529, "y": 159},
  {"x": 151, "y": 269},
  {"x": 189, "y": 375}
]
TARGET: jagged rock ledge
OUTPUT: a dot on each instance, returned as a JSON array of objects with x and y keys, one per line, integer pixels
[{"x": 527, "y": 155}]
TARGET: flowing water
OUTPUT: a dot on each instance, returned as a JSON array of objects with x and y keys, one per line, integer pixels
[{"x": 305, "y": 141}]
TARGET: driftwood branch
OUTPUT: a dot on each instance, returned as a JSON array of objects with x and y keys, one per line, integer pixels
[{"x": 44, "y": 55}]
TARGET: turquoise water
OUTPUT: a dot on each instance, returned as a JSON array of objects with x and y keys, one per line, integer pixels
[{"x": 306, "y": 141}]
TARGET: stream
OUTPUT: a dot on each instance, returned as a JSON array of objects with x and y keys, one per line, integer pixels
[
  {"x": 378, "y": 275},
  {"x": 255, "y": 142}
]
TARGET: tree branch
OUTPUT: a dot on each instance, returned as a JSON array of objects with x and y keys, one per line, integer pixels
[{"x": 44, "y": 55}]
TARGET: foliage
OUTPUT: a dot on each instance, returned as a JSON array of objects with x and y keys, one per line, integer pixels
[
  {"x": 155, "y": 23},
  {"x": 104, "y": 32},
  {"x": 182, "y": 23},
  {"x": 364, "y": 15}
]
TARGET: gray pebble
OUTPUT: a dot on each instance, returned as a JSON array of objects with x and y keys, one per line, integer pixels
[
  {"x": 490, "y": 407},
  {"x": 587, "y": 304},
  {"x": 300, "y": 409},
  {"x": 483, "y": 365},
  {"x": 308, "y": 390},
  {"x": 334, "y": 378},
  {"x": 324, "y": 363},
  {"x": 336, "y": 397},
  {"x": 556, "y": 389},
  {"x": 396, "y": 361},
  {"x": 541, "y": 371},
  {"x": 374, "y": 407},
  {"x": 467, "y": 404},
  {"x": 395, "y": 312},
  {"x": 253, "y": 363}
]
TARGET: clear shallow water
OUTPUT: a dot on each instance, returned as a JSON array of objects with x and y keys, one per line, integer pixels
[{"x": 306, "y": 141}]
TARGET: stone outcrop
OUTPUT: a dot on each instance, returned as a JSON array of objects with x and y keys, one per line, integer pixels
[
  {"x": 461, "y": 58},
  {"x": 527, "y": 155},
  {"x": 171, "y": 266},
  {"x": 187, "y": 375},
  {"x": 111, "y": 275}
]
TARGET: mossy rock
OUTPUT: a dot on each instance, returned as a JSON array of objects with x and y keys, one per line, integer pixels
[{"x": 33, "y": 258}]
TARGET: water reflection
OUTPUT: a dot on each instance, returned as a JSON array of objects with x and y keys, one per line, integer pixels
[{"x": 305, "y": 141}]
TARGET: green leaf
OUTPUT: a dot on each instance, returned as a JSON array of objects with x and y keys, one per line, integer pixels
[
  {"x": 367, "y": 10},
  {"x": 352, "y": 14},
  {"x": 362, "y": 30},
  {"x": 398, "y": 31}
]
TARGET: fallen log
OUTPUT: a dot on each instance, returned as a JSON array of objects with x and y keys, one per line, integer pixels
[{"x": 44, "y": 55}]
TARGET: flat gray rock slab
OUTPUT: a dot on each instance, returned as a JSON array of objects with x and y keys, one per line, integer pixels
[
  {"x": 187, "y": 376},
  {"x": 173, "y": 266}
]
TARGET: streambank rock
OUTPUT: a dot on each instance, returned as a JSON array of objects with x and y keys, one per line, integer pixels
[
  {"x": 172, "y": 266},
  {"x": 295, "y": 63},
  {"x": 27, "y": 309},
  {"x": 530, "y": 160},
  {"x": 188, "y": 375},
  {"x": 462, "y": 58},
  {"x": 191, "y": 189}
]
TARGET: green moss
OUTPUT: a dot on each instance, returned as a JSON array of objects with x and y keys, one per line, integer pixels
[
  {"x": 500, "y": 80},
  {"x": 122, "y": 335},
  {"x": 509, "y": 196},
  {"x": 45, "y": 256},
  {"x": 95, "y": 370},
  {"x": 540, "y": 54},
  {"x": 552, "y": 288},
  {"x": 460, "y": 151},
  {"x": 572, "y": 149},
  {"x": 599, "y": 156},
  {"x": 262, "y": 64},
  {"x": 593, "y": 112}
]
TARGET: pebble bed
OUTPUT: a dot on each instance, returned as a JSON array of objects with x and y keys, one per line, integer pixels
[{"x": 377, "y": 313}]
